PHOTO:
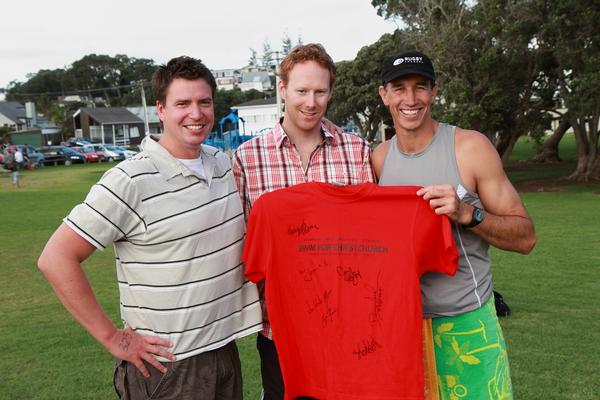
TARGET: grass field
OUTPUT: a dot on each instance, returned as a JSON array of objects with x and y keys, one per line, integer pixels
[{"x": 554, "y": 293}]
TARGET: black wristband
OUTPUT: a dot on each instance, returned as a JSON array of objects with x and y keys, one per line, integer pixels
[{"x": 476, "y": 218}]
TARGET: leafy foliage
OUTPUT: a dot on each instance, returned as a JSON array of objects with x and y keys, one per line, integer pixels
[
  {"x": 507, "y": 68},
  {"x": 355, "y": 94},
  {"x": 110, "y": 78}
]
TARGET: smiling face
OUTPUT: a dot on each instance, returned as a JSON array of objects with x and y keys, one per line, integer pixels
[
  {"x": 409, "y": 100},
  {"x": 306, "y": 94},
  {"x": 187, "y": 116}
]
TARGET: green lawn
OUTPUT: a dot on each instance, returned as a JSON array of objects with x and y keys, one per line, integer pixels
[{"x": 553, "y": 334}]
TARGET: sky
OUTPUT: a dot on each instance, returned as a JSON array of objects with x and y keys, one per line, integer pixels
[{"x": 42, "y": 34}]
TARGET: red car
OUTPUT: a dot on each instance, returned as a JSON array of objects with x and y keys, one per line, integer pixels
[{"x": 89, "y": 154}]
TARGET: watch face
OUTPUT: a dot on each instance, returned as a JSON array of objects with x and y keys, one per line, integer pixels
[{"x": 478, "y": 215}]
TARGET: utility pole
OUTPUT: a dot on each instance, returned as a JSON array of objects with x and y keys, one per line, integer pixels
[
  {"x": 278, "y": 96},
  {"x": 146, "y": 124}
]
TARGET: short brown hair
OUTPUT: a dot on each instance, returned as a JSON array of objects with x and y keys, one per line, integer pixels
[
  {"x": 307, "y": 52},
  {"x": 180, "y": 67}
]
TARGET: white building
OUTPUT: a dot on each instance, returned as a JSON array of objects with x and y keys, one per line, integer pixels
[
  {"x": 153, "y": 120},
  {"x": 258, "y": 116},
  {"x": 259, "y": 80},
  {"x": 226, "y": 79}
]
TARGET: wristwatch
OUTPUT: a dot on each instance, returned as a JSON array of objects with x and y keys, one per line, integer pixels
[{"x": 476, "y": 218}]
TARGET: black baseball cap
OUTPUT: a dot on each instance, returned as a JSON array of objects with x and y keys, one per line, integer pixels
[{"x": 408, "y": 63}]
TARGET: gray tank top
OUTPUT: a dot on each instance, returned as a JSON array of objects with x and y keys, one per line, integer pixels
[{"x": 471, "y": 287}]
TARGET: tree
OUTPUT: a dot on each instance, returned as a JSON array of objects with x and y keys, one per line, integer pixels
[
  {"x": 253, "y": 61},
  {"x": 513, "y": 67},
  {"x": 488, "y": 81},
  {"x": 573, "y": 35},
  {"x": 267, "y": 57},
  {"x": 286, "y": 45},
  {"x": 104, "y": 75},
  {"x": 225, "y": 99},
  {"x": 92, "y": 75},
  {"x": 355, "y": 94}
]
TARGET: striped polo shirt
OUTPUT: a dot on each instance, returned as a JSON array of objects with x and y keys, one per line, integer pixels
[{"x": 178, "y": 239}]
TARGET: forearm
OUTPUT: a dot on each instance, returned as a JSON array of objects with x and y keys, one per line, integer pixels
[
  {"x": 74, "y": 291},
  {"x": 507, "y": 232}
]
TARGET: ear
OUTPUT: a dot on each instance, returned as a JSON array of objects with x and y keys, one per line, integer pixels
[
  {"x": 382, "y": 94},
  {"x": 435, "y": 91},
  {"x": 160, "y": 110},
  {"x": 282, "y": 89}
]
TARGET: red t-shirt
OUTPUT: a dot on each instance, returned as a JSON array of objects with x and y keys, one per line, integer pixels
[{"x": 342, "y": 268}]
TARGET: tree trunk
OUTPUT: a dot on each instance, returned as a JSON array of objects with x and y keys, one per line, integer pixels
[
  {"x": 582, "y": 171},
  {"x": 373, "y": 128},
  {"x": 548, "y": 152},
  {"x": 506, "y": 141},
  {"x": 509, "y": 146}
]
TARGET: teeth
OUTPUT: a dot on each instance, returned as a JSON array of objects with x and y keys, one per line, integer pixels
[
  {"x": 195, "y": 126},
  {"x": 409, "y": 112}
]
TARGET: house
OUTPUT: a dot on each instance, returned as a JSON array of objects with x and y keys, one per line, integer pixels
[
  {"x": 154, "y": 124},
  {"x": 259, "y": 80},
  {"x": 251, "y": 68},
  {"x": 112, "y": 125},
  {"x": 13, "y": 114},
  {"x": 24, "y": 120},
  {"x": 258, "y": 115},
  {"x": 226, "y": 79}
]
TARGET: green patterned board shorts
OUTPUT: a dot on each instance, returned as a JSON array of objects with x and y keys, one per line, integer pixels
[{"x": 471, "y": 359}]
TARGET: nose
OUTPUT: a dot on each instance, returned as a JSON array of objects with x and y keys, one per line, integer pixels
[
  {"x": 411, "y": 97},
  {"x": 311, "y": 100},
  {"x": 195, "y": 111}
]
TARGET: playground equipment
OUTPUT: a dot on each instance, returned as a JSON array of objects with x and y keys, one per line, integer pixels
[{"x": 228, "y": 136}]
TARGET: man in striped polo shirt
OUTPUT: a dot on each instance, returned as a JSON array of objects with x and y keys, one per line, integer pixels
[
  {"x": 299, "y": 149},
  {"x": 177, "y": 225}
]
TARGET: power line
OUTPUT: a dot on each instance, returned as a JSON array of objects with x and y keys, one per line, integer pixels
[{"x": 78, "y": 91}]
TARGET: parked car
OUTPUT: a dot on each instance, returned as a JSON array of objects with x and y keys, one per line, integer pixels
[
  {"x": 54, "y": 155},
  {"x": 73, "y": 155},
  {"x": 122, "y": 151},
  {"x": 78, "y": 141},
  {"x": 89, "y": 153},
  {"x": 109, "y": 155},
  {"x": 36, "y": 159}
]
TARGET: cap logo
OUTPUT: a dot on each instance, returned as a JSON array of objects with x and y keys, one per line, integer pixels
[{"x": 414, "y": 60}]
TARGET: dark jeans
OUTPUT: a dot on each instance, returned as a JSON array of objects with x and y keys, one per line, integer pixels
[
  {"x": 212, "y": 375},
  {"x": 272, "y": 380}
]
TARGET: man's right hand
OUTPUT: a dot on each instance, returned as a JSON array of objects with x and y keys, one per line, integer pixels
[{"x": 130, "y": 346}]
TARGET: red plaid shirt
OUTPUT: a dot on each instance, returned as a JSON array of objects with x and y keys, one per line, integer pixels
[{"x": 271, "y": 162}]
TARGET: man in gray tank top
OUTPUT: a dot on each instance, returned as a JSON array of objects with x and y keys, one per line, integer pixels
[{"x": 463, "y": 178}]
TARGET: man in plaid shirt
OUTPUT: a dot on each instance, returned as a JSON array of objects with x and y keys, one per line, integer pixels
[{"x": 299, "y": 149}]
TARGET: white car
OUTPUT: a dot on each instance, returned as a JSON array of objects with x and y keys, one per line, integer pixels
[
  {"x": 126, "y": 153},
  {"x": 108, "y": 153}
]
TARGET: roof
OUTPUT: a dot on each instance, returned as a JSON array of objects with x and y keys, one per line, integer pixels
[
  {"x": 258, "y": 102},
  {"x": 259, "y": 76},
  {"x": 12, "y": 110},
  {"x": 152, "y": 114},
  {"x": 112, "y": 115}
]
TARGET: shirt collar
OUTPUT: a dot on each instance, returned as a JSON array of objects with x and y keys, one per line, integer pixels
[
  {"x": 169, "y": 166},
  {"x": 280, "y": 136}
]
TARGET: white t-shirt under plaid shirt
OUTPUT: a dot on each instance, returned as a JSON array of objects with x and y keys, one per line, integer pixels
[{"x": 271, "y": 162}]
